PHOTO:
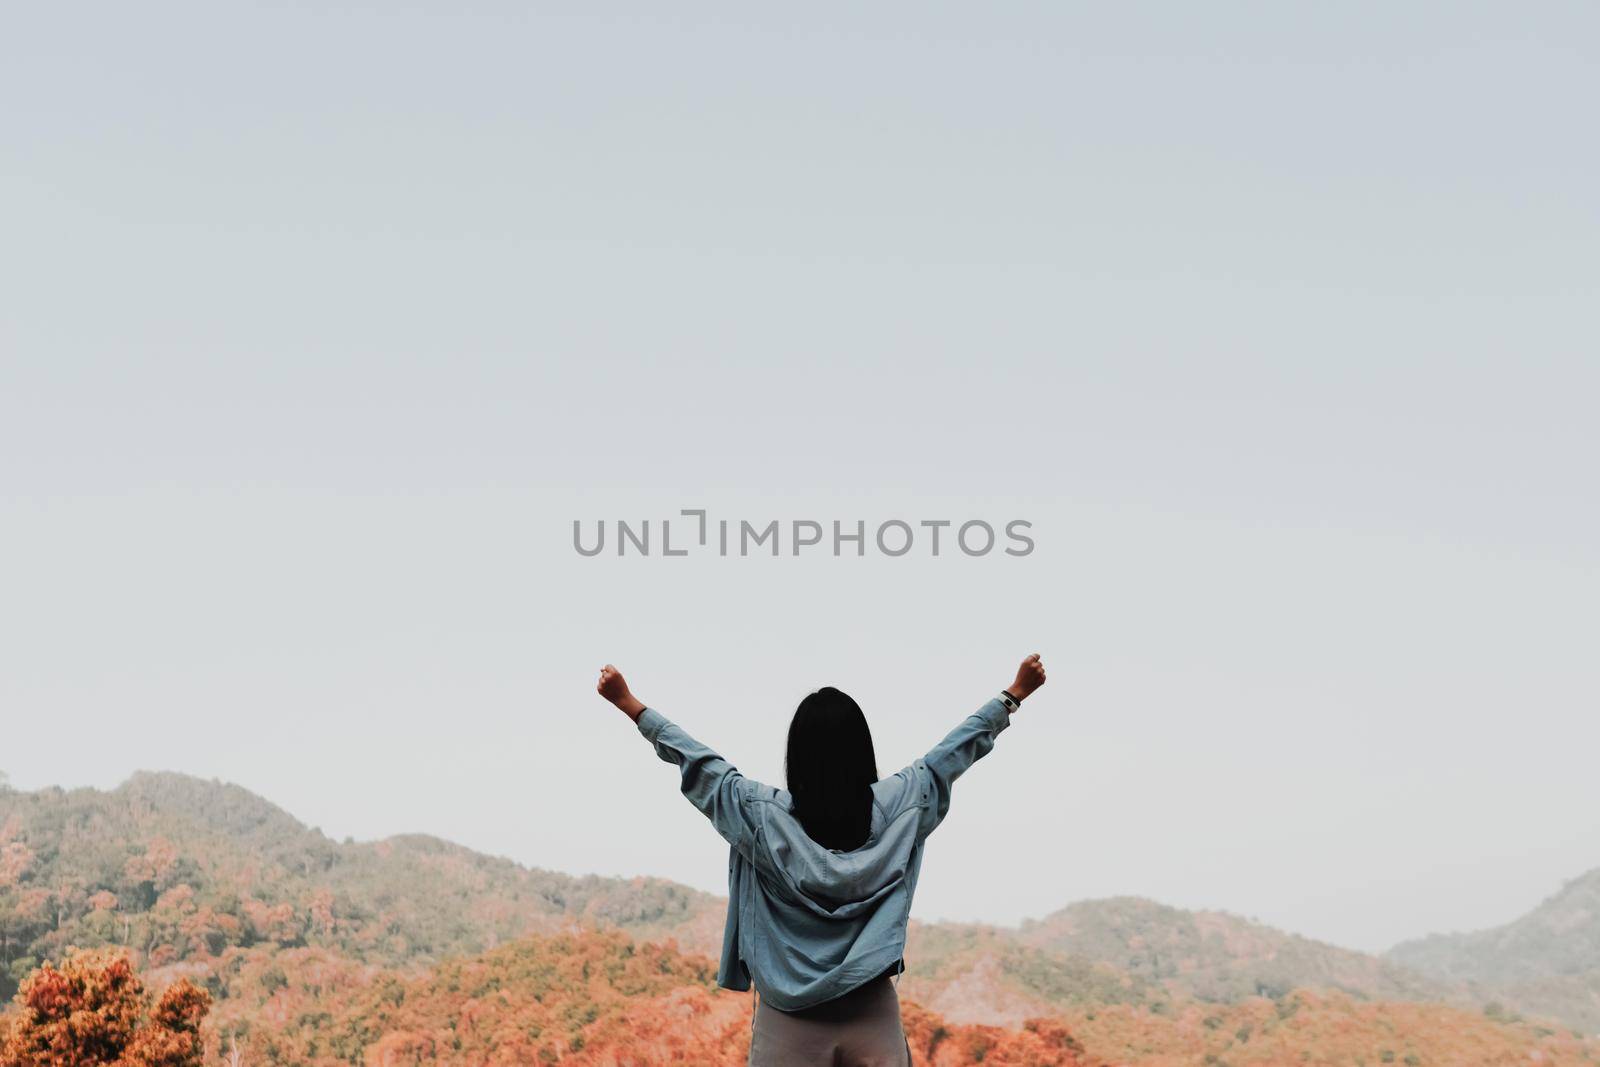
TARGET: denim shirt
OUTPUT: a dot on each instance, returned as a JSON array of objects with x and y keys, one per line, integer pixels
[{"x": 806, "y": 923}]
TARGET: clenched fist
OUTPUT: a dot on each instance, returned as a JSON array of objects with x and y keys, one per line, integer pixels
[
  {"x": 614, "y": 688},
  {"x": 1030, "y": 676}
]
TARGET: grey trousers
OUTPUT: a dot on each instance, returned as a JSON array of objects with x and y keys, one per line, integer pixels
[{"x": 860, "y": 1029}]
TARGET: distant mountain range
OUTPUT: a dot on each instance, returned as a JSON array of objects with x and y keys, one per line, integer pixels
[
  {"x": 202, "y": 877},
  {"x": 1133, "y": 951}
]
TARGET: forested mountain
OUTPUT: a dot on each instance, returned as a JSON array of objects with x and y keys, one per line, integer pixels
[
  {"x": 320, "y": 952},
  {"x": 1547, "y": 962},
  {"x": 976, "y": 973},
  {"x": 1130, "y": 951},
  {"x": 1560, "y": 936},
  {"x": 177, "y": 868},
  {"x": 1215, "y": 956}
]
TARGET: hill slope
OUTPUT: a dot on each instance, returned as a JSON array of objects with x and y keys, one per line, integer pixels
[
  {"x": 176, "y": 867},
  {"x": 1546, "y": 962},
  {"x": 977, "y": 973},
  {"x": 1214, "y": 956},
  {"x": 1559, "y": 937}
]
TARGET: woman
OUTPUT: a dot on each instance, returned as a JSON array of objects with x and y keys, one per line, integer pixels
[{"x": 821, "y": 875}]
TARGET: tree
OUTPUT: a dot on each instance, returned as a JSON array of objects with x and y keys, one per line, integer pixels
[{"x": 87, "y": 1013}]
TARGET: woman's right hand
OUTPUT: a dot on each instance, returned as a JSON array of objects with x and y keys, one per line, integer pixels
[{"x": 1030, "y": 676}]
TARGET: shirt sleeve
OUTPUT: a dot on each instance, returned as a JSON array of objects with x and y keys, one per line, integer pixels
[
  {"x": 935, "y": 774},
  {"x": 711, "y": 783}
]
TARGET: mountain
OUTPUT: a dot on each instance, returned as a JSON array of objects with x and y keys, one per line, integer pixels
[
  {"x": 976, "y": 973},
  {"x": 177, "y": 867},
  {"x": 316, "y": 948},
  {"x": 1547, "y": 962},
  {"x": 1559, "y": 937},
  {"x": 1215, "y": 956}
]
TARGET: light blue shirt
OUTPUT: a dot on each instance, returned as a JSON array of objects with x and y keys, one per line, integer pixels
[{"x": 807, "y": 923}]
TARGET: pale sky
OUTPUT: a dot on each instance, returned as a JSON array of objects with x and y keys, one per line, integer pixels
[{"x": 321, "y": 326}]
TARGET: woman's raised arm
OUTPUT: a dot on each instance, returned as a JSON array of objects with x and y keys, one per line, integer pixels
[
  {"x": 711, "y": 783},
  {"x": 970, "y": 741}
]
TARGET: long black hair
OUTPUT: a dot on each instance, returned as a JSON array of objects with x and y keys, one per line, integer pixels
[{"x": 830, "y": 768}]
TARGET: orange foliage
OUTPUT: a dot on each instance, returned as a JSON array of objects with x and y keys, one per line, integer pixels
[
  {"x": 15, "y": 860},
  {"x": 597, "y": 999},
  {"x": 87, "y": 1014},
  {"x": 589, "y": 999},
  {"x": 1322, "y": 1030},
  {"x": 1040, "y": 1042},
  {"x": 155, "y": 864}
]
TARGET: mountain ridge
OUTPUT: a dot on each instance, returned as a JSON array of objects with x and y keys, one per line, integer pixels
[{"x": 178, "y": 866}]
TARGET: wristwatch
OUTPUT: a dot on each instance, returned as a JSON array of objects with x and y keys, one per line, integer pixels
[{"x": 1011, "y": 702}]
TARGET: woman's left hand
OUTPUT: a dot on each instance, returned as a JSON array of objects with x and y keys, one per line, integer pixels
[{"x": 614, "y": 687}]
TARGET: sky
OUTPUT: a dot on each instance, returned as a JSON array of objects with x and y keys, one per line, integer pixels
[{"x": 324, "y": 323}]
